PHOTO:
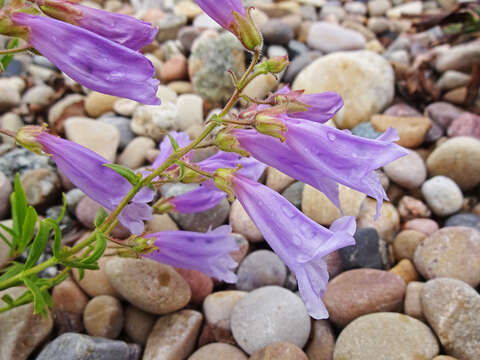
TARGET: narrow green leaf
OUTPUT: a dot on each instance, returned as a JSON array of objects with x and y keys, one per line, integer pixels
[
  {"x": 8, "y": 299},
  {"x": 174, "y": 143},
  {"x": 101, "y": 217},
  {"x": 28, "y": 228},
  {"x": 80, "y": 265},
  {"x": 13, "y": 269},
  {"x": 38, "y": 245},
  {"x": 81, "y": 274},
  {"x": 100, "y": 246},
  {"x": 64, "y": 209},
  {"x": 6, "y": 241},
  {"x": 7, "y": 59},
  {"x": 125, "y": 172},
  {"x": 39, "y": 303},
  {"x": 19, "y": 205},
  {"x": 57, "y": 237},
  {"x": 8, "y": 230}
]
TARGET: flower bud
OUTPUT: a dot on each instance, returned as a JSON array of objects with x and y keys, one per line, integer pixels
[
  {"x": 269, "y": 125},
  {"x": 163, "y": 206},
  {"x": 247, "y": 32},
  {"x": 273, "y": 65},
  {"x": 226, "y": 141},
  {"x": 223, "y": 180},
  {"x": 27, "y": 137}
]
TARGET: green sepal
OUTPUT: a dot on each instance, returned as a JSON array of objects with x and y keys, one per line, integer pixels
[
  {"x": 41, "y": 299},
  {"x": 128, "y": 174},
  {"x": 57, "y": 237},
  {"x": 100, "y": 246},
  {"x": 101, "y": 217},
  {"x": 174, "y": 143},
  {"x": 38, "y": 245},
  {"x": 19, "y": 205},
  {"x": 28, "y": 228}
]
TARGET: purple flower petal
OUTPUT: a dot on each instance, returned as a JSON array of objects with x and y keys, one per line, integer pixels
[
  {"x": 84, "y": 168},
  {"x": 92, "y": 60},
  {"x": 222, "y": 11},
  {"x": 201, "y": 199},
  {"x": 206, "y": 252},
  {"x": 299, "y": 241}
]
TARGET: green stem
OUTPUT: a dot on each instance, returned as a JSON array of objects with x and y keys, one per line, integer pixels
[
  {"x": 17, "y": 279},
  {"x": 196, "y": 169},
  {"x": 15, "y": 50}
]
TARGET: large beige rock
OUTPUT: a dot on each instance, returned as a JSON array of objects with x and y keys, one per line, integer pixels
[
  {"x": 411, "y": 130},
  {"x": 363, "y": 78}
]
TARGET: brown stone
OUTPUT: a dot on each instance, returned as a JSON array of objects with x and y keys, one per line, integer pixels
[
  {"x": 413, "y": 301},
  {"x": 362, "y": 291},
  {"x": 322, "y": 341},
  {"x": 280, "y": 351},
  {"x": 173, "y": 337},
  {"x": 412, "y": 130},
  {"x": 387, "y": 224},
  {"x": 201, "y": 285},
  {"x": 218, "y": 351},
  {"x": 406, "y": 242},
  {"x": 103, "y": 317},
  {"x": 95, "y": 282},
  {"x": 69, "y": 302},
  {"x": 450, "y": 252},
  {"x": 405, "y": 270},
  {"x": 138, "y": 324}
]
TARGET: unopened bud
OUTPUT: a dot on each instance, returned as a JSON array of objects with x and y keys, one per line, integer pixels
[
  {"x": 223, "y": 180},
  {"x": 269, "y": 125},
  {"x": 273, "y": 65},
  {"x": 27, "y": 137},
  {"x": 247, "y": 32},
  {"x": 228, "y": 142},
  {"x": 163, "y": 206}
]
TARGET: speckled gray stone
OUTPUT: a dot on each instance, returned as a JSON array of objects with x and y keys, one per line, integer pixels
[{"x": 261, "y": 268}]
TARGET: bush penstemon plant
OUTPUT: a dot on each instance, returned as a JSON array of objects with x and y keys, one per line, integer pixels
[{"x": 286, "y": 130}]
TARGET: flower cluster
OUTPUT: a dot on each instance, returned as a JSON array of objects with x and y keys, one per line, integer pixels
[
  {"x": 96, "y": 48},
  {"x": 287, "y": 131}
]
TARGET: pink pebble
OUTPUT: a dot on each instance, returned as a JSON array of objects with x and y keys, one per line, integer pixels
[{"x": 426, "y": 226}]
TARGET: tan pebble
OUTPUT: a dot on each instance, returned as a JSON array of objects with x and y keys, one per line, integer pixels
[
  {"x": 405, "y": 270},
  {"x": 412, "y": 130},
  {"x": 138, "y": 324},
  {"x": 103, "y": 317},
  {"x": 413, "y": 301},
  {"x": 406, "y": 242},
  {"x": 322, "y": 341},
  {"x": 218, "y": 351},
  {"x": 280, "y": 351}
]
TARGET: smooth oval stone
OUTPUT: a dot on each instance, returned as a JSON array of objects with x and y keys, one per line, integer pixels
[
  {"x": 261, "y": 268},
  {"x": 20, "y": 330},
  {"x": 103, "y": 317},
  {"x": 442, "y": 195},
  {"x": 243, "y": 224},
  {"x": 280, "y": 351},
  {"x": 268, "y": 315},
  {"x": 322, "y": 341},
  {"x": 459, "y": 159},
  {"x": 452, "y": 308},
  {"x": 408, "y": 171},
  {"x": 387, "y": 223},
  {"x": 450, "y": 252},
  {"x": 218, "y": 351},
  {"x": 386, "y": 336},
  {"x": 368, "y": 252},
  {"x": 406, "y": 242},
  {"x": 362, "y": 291},
  {"x": 138, "y": 324},
  {"x": 413, "y": 300},
  {"x": 174, "y": 336},
  {"x": 464, "y": 219},
  {"x": 153, "y": 287}
]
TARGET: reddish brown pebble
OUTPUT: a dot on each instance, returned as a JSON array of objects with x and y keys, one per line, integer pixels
[
  {"x": 406, "y": 242},
  {"x": 405, "y": 270},
  {"x": 362, "y": 291},
  {"x": 138, "y": 324},
  {"x": 280, "y": 351},
  {"x": 200, "y": 284},
  {"x": 322, "y": 341}
]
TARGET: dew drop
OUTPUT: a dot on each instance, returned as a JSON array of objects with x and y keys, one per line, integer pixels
[
  {"x": 331, "y": 136},
  {"x": 287, "y": 210}
]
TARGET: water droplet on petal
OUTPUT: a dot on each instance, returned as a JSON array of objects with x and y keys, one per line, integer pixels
[
  {"x": 331, "y": 136},
  {"x": 288, "y": 211}
]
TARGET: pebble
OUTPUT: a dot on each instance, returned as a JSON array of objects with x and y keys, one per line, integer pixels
[
  {"x": 261, "y": 86},
  {"x": 99, "y": 137},
  {"x": 209, "y": 62},
  {"x": 459, "y": 159},
  {"x": 168, "y": 26},
  {"x": 413, "y": 300},
  {"x": 297, "y": 64},
  {"x": 154, "y": 121},
  {"x": 133, "y": 156},
  {"x": 268, "y": 315},
  {"x": 362, "y": 291},
  {"x": 5, "y": 191},
  {"x": 406, "y": 242},
  {"x": 467, "y": 124},
  {"x": 218, "y": 351},
  {"x": 452, "y": 79},
  {"x": 9, "y": 98},
  {"x": 459, "y": 57},
  {"x": 368, "y": 252},
  {"x": 411, "y": 208},
  {"x": 408, "y": 171},
  {"x": 277, "y": 180},
  {"x": 318, "y": 207},
  {"x": 95, "y": 282},
  {"x": 123, "y": 126},
  {"x": 276, "y": 31},
  {"x": 450, "y": 252},
  {"x": 413, "y": 8},
  {"x": 443, "y": 113},
  {"x": 138, "y": 324},
  {"x": 464, "y": 219},
  {"x": 329, "y": 38},
  {"x": 174, "y": 69},
  {"x": 153, "y": 287},
  {"x": 12, "y": 122},
  {"x": 38, "y": 96},
  {"x": 174, "y": 336},
  {"x": 97, "y": 104},
  {"x": 261, "y": 268},
  {"x": 20, "y": 161},
  {"x": 160, "y": 223},
  {"x": 201, "y": 285},
  {"x": 69, "y": 302},
  {"x": 69, "y": 106},
  {"x": 280, "y": 351},
  {"x": 364, "y": 79},
  {"x": 426, "y": 226},
  {"x": 4, "y": 248},
  {"x": 442, "y": 195},
  {"x": 412, "y": 130},
  {"x": 103, "y": 317},
  {"x": 41, "y": 186},
  {"x": 20, "y": 330},
  {"x": 190, "y": 111},
  {"x": 72, "y": 346},
  {"x": 378, "y": 7},
  {"x": 294, "y": 193},
  {"x": 243, "y": 224},
  {"x": 452, "y": 308},
  {"x": 126, "y": 107},
  {"x": 386, "y": 336},
  {"x": 406, "y": 270},
  {"x": 322, "y": 341},
  {"x": 388, "y": 222},
  {"x": 365, "y": 130}
]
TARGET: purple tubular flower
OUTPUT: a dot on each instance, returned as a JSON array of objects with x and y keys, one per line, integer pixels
[
  {"x": 299, "y": 241},
  {"x": 85, "y": 170},
  {"x": 222, "y": 11},
  {"x": 322, "y": 156},
  {"x": 201, "y": 199},
  {"x": 123, "y": 29},
  {"x": 319, "y": 107},
  {"x": 92, "y": 60},
  {"x": 206, "y": 252}
]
